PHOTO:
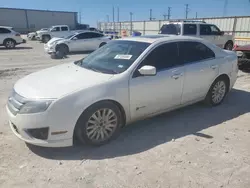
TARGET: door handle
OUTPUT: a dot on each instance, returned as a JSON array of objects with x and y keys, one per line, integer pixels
[
  {"x": 176, "y": 76},
  {"x": 214, "y": 66}
]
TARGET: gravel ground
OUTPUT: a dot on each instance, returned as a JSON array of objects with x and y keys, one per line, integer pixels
[{"x": 196, "y": 146}]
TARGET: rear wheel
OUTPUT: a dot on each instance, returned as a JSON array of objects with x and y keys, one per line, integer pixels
[
  {"x": 217, "y": 92},
  {"x": 9, "y": 43},
  {"x": 99, "y": 124},
  {"x": 229, "y": 45}
]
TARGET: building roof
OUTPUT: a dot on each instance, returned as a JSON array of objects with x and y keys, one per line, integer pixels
[{"x": 36, "y": 10}]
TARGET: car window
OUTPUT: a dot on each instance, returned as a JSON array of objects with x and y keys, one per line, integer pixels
[
  {"x": 56, "y": 29},
  {"x": 64, "y": 28},
  {"x": 4, "y": 30},
  {"x": 205, "y": 30},
  {"x": 209, "y": 30},
  {"x": 114, "y": 57},
  {"x": 81, "y": 36},
  {"x": 190, "y": 29},
  {"x": 172, "y": 29},
  {"x": 163, "y": 57},
  {"x": 215, "y": 30},
  {"x": 193, "y": 52}
]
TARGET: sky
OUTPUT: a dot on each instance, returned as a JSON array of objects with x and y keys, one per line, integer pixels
[{"x": 93, "y": 11}]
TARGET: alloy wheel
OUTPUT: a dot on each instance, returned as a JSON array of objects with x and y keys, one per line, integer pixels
[
  {"x": 218, "y": 92},
  {"x": 101, "y": 125}
]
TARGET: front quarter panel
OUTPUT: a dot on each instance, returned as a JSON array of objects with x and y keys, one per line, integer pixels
[{"x": 65, "y": 112}]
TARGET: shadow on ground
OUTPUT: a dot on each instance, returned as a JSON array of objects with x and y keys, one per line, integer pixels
[
  {"x": 17, "y": 48},
  {"x": 147, "y": 134}
]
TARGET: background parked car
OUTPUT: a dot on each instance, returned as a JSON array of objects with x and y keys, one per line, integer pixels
[
  {"x": 61, "y": 31},
  {"x": 243, "y": 53},
  {"x": 32, "y": 35},
  {"x": 199, "y": 29},
  {"x": 82, "y": 41},
  {"x": 10, "y": 38}
]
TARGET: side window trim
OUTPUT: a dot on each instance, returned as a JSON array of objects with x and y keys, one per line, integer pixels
[{"x": 133, "y": 73}]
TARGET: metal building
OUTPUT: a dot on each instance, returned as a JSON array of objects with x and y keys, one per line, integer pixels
[{"x": 26, "y": 20}]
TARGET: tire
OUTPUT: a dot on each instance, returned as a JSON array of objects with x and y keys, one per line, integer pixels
[
  {"x": 46, "y": 38},
  {"x": 10, "y": 44},
  {"x": 229, "y": 45},
  {"x": 214, "y": 98},
  {"x": 92, "y": 132},
  {"x": 62, "y": 50},
  {"x": 102, "y": 44}
]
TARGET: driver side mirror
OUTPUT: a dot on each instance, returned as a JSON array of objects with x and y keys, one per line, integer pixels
[
  {"x": 147, "y": 70},
  {"x": 222, "y": 33},
  {"x": 74, "y": 38}
]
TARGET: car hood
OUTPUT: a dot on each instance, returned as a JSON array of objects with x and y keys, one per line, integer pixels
[
  {"x": 55, "y": 39},
  {"x": 58, "y": 81}
]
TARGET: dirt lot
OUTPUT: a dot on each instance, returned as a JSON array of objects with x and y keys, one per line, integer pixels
[{"x": 193, "y": 147}]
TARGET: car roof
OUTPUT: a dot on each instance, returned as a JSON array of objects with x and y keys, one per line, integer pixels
[
  {"x": 84, "y": 31},
  {"x": 60, "y": 26},
  {"x": 7, "y": 27},
  {"x": 201, "y": 23},
  {"x": 159, "y": 38}
]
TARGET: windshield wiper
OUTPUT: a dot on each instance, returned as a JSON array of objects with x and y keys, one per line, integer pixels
[{"x": 92, "y": 68}]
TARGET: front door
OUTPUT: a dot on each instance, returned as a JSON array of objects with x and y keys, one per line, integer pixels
[
  {"x": 212, "y": 34},
  {"x": 201, "y": 68},
  {"x": 152, "y": 94},
  {"x": 80, "y": 42}
]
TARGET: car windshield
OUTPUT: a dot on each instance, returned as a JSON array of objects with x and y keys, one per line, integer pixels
[
  {"x": 115, "y": 57},
  {"x": 171, "y": 29}
]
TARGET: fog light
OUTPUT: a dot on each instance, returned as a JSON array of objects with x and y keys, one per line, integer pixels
[{"x": 39, "y": 133}]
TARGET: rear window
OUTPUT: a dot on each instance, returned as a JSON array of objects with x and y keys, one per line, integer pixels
[{"x": 171, "y": 29}]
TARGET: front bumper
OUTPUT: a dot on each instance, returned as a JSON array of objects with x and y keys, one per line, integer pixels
[
  {"x": 49, "y": 49},
  {"x": 21, "y": 123}
]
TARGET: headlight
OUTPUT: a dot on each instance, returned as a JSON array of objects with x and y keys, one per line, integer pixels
[
  {"x": 239, "y": 53},
  {"x": 35, "y": 107}
]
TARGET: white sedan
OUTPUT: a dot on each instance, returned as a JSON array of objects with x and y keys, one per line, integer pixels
[
  {"x": 80, "y": 41},
  {"x": 124, "y": 81}
]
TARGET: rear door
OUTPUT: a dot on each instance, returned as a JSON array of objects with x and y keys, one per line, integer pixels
[{"x": 201, "y": 68}]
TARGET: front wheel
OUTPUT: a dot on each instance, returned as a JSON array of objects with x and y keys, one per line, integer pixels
[
  {"x": 99, "y": 124},
  {"x": 217, "y": 92},
  {"x": 46, "y": 38},
  {"x": 9, "y": 44}
]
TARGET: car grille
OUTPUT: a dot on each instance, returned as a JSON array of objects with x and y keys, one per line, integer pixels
[{"x": 15, "y": 102}]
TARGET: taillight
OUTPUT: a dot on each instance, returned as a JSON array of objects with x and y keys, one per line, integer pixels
[{"x": 18, "y": 35}]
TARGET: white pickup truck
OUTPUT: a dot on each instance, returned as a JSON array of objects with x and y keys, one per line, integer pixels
[
  {"x": 199, "y": 29},
  {"x": 60, "y": 31}
]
